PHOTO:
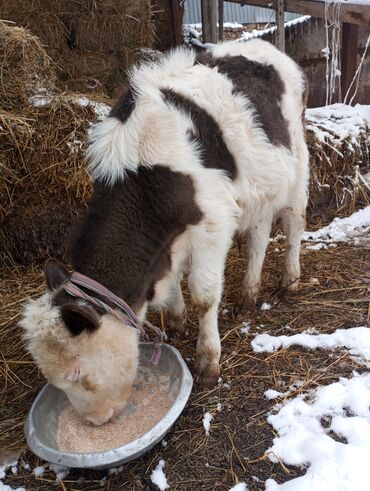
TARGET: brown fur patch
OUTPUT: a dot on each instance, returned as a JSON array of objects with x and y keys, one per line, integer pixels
[
  {"x": 87, "y": 385},
  {"x": 262, "y": 85},
  {"x": 215, "y": 154},
  {"x": 124, "y": 106},
  {"x": 201, "y": 308},
  {"x": 125, "y": 238}
]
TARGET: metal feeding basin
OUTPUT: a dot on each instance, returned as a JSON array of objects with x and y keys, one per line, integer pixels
[{"x": 42, "y": 422}]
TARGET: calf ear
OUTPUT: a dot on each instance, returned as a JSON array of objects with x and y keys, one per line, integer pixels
[
  {"x": 55, "y": 274},
  {"x": 79, "y": 317}
]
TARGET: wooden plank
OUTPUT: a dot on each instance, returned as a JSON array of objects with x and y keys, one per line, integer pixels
[
  {"x": 353, "y": 13},
  {"x": 349, "y": 59},
  {"x": 209, "y": 21},
  {"x": 280, "y": 31},
  {"x": 220, "y": 20}
]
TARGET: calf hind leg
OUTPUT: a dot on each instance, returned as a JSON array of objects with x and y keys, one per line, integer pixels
[
  {"x": 258, "y": 238},
  {"x": 176, "y": 311},
  {"x": 293, "y": 220}
]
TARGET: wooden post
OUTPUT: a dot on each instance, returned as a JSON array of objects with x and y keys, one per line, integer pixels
[
  {"x": 209, "y": 21},
  {"x": 349, "y": 59},
  {"x": 177, "y": 32},
  {"x": 220, "y": 20},
  {"x": 280, "y": 31}
]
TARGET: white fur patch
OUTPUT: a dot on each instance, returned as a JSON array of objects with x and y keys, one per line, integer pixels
[{"x": 40, "y": 318}]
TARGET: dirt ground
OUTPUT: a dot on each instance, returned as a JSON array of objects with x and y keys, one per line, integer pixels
[{"x": 334, "y": 293}]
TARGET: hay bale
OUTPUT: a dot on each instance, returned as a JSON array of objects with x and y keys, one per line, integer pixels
[
  {"x": 43, "y": 181},
  {"x": 25, "y": 68},
  {"x": 338, "y": 142},
  {"x": 110, "y": 27},
  {"x": 43, "y": 177},
  {"x": 74, "y": 32},
  {"x": 45, "y": 155}
]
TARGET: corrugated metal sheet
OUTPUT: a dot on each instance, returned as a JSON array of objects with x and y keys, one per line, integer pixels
[{"x": 234, "y": 13}]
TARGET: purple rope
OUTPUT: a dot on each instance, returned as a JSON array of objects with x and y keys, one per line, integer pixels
[{"x": 125, "y": 314}]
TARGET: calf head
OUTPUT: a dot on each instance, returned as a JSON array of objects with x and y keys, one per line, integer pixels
[{"x": 92, "y": 357}]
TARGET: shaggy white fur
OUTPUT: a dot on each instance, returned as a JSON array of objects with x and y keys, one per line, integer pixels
[{"x": 95, "y": 370}]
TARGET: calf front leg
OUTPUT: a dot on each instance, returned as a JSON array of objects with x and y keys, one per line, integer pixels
[{"x": 205, "y": 285}]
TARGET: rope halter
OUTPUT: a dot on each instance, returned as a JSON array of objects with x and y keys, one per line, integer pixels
[{"x": 123, "y": 312}]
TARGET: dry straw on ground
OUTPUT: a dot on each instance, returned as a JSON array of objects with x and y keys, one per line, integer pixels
[{"x": 239, "y": 433}]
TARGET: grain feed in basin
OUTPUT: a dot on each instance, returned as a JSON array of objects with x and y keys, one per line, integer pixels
[{"x": 150, "y": 400}]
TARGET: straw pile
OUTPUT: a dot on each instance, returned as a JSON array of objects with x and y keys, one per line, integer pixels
[
  {"x": 92, "y": 42},
  {"x": 43, "y": 180},
  {"x": 338, "y": 141}
]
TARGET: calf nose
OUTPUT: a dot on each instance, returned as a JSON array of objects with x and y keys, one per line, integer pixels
[
  {"x": 119, "y": 408},
  {"x": 100, "y": 419}
]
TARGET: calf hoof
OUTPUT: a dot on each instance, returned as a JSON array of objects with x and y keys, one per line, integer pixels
[
  {"x": 207, "y": 381},
  {"x": 245, "y": 304},
  {"x": 207, "y": 377},
  {"x": 289, "y": 285},
  {"x": 175, "y": 325}
]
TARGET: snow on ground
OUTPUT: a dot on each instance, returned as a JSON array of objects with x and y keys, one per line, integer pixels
[
  {"x": 245, "y": 328},
  {"x": 60, "y": 471},
  {"x": 207, "y": 418},
  {"x": 39, "y": 471},
  {"x": 326, "y": 430},
  {"x": 356, "y": 340},
  {"x": 266, "y": 306},
  {"x": 302, "y": 440},
  {"x": 342, "y": 229},
  {"x": 3, "y": 470},
  {"x": 339, "y": 122},
  {"x": 158, "y": 477},
  {"x": 241, "y": 486}
]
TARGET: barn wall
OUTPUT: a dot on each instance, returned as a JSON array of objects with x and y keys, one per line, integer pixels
[{"x": 305, "y": 44}]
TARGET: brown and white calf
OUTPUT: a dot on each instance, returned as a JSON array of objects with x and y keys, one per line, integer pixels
[{"x": 201, "y": 147}]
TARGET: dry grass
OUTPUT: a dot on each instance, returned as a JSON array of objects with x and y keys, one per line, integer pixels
[{"x": 239, "y": 434}]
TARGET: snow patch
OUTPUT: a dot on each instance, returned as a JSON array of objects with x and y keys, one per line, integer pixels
[
  {"x": 338, "y": 122},
  {"x": 39, "y": 471},
  {"x": 245, "y": 328},
  {"x": 305, "y": 426},
  {"x": 246, "y": 36},
  {"x": 44, "y": 99},
  {"x": 60, "y": 471},
  {"x": 327, "y": 429},
  {"x": 273, "y": 394},
  {"x": 342, "y": 229},
  {"x": 356, "y": 340},
  {"x": 239, "y": 487},
  {"x": 158, "y": 477},
  {"x": 13, "y": 466},
  {"x": 266, "y": 306},
  {"x": 207, "y": 418}
]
